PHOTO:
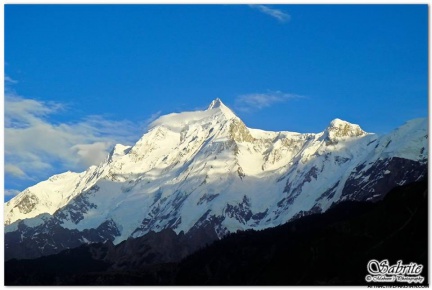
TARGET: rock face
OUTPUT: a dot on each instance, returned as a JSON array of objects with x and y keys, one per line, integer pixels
[{"x": 206, "y": 172}]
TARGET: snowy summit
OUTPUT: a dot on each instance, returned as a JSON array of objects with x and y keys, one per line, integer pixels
[{"x": 207, "y": 170}]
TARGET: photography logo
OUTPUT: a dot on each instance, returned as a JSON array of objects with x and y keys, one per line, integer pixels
[{"x": 383, "y": 272}]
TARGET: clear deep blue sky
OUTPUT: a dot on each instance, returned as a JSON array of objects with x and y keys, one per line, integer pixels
[{"x": 366, "y": 64}]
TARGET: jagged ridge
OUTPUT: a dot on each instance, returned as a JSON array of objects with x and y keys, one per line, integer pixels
[{"x": 195, "y": 169}]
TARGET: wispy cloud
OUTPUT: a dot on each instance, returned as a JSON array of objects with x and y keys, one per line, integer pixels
[
  {"x": 36, "y": 147},
  {"x": 11, "y": 192},
  {"x": 91, "y": 154},
  {"x": 9, "y": 80},
  {"x": 152, "y": 117},
  {"x": 258, "y": 101},
  {"x": 275, "y": 13},
  {"x": 14, "y": 171}
]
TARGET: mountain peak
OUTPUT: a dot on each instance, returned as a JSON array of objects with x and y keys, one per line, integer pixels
[
  {"x": 205, "y": 172},
  {"x": 338, "y": 122},
  {"x": 118, "y": 151},
  {"x": 340, "y": 128},
  {"x": 216, "y": 103},
  {"x": 178, "y": 121}
]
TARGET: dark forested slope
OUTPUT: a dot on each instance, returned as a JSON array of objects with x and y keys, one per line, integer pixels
[{"x": 332, "y": 248}]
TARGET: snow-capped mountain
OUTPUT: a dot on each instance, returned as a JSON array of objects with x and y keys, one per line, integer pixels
[{"x": 207, "y": 170}]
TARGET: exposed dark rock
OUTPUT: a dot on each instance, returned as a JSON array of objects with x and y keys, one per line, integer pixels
[
  {"x": 239, "y": 132},
  {"x": 383, "y": 175},
  {"x": 329, "y": 193},
  {"x": 331, "y": 248},
  {"x": 207, "y": 198},
  {"x": 260, "y": 215},
  {"x": 27, "y": 203},
  {"x": 51, "y": 238},
  {"x": 314, "y": 210},
  {"x": 240, "y": 211}
]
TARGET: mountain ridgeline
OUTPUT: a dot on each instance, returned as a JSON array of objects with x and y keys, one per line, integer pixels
[{"x": 196, "y": 177}]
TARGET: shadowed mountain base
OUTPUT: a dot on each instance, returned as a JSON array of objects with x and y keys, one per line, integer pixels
[{"x": 332, "y": 248}]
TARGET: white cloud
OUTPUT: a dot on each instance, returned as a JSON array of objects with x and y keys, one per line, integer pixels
[
  {"x": 10, "y": 80},
  {"x": 14, "y": 170},
  {"x": 91, "y": 154},
  {"x": 37, "y": 147},
  {"x": 11, "y": 192},
  {"x": 275, "y": 13},
  {"x": 152, "y": 118},
  {"x": 21, "y": 112},
  {"x": 258, "y": 101}
]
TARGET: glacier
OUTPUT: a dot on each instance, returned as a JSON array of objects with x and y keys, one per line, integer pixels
[{"x": 206, "y": 168}]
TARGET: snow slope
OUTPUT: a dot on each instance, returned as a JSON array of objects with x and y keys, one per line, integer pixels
[{"x": 196, "y": 169}]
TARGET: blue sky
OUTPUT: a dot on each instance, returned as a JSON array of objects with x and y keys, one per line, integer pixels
[{"x": 79, "y": 78}]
